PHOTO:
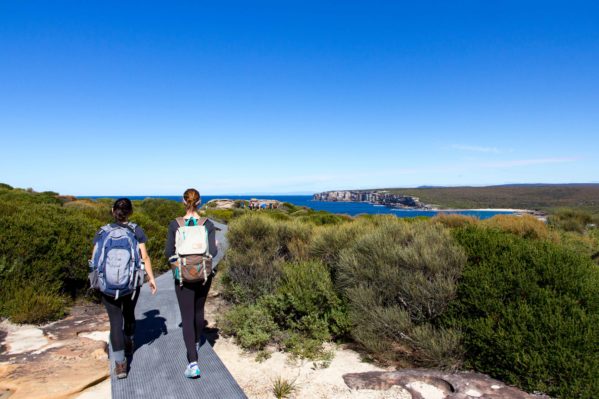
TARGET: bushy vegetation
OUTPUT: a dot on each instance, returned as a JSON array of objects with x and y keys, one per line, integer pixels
[
  {"x": 526, "y": 226},
  {"x": 569, "y": 219},
  {"x": 529, "y": 313},
  {"x": 398, "y": 279},
  {"x": 45, "y": 244},
  {"x": 454, "y": 219},
  {"x": 324, "y": 282},
  {"x": 509, "y": 296}
]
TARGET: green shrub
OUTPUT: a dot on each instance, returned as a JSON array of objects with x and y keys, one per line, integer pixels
[
  {"x": 24, "y": 197},
  {"x": 526, "y": 226},
  {"x": 328, "y": 241},
  {"x": 160, "y": 210},
  {"x": 26, "y": 302},
  {"x": 5, "y": 186},
  {"x": 454, "y": 219},
  {"x": 156, "y": 233},
  {"x": 50, "y": 241},
  {"x": 28, "y": 299},
  {"x": 306, "y": 302},
  {"x": 222, "y": 215},
  {"x": 529, "y": 313},
  {"x": 323, "y": 218},
  {"x": 276, "y": 215},
  {"x": 398, "y": 279},
  {"x": 253, "y": 261},
  {"x": 251, "y": 325},
  {"x": 567, "y": 219},
  {"x": 258, "y": 246},
  {"x": 92, "y": 209}
]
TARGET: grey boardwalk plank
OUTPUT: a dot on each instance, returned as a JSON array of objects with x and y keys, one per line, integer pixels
[{"x": 156, "y": 369}]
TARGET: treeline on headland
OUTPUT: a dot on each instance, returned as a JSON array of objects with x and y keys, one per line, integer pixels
[
  {"x": 546, "y": 197},
  {"x": 509, "y": 296}
]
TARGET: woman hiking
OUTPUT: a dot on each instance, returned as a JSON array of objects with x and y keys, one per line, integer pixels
[
  {"x": 118, "y": 263},
  {"x": 190, "y": 246}
]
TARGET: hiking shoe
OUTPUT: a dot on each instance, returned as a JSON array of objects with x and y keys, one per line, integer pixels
[
  {"x": 129, "y": 346},
  {"x": 192, "y": 370},
  {"x": 120, "y": 369}
]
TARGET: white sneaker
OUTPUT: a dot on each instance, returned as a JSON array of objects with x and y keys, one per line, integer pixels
[{"x": 192, "y": 370}]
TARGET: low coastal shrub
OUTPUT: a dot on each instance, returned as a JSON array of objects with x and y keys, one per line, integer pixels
[
  {"x": 51, "y": 242},
  {"x": 156, "y": 234},
  {"x": 398, "y": 280},
  {"x": 328, "y": 241},
  {"x": 258, "y": 248},
  {"x": 50, "y": 238},
  {"x": 320, "y": 218},
  {"x": 221, "y": 215},
  {"x": 251, "y": 325},
  {"x": 306, "y": 302},
  {"x": 302, "y": 313},
  {"x": 528, "y": 311},
  {"x": 160, "y": 210},
  {"x": 568, "y": 219},
  {"x": 31, "y": 301},
  {"x": 24, "y": 197},
  {"x": 526, "y": 226},
  {"x": 454, "y": 219}
]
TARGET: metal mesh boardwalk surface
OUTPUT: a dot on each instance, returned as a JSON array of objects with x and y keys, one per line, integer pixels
[{"x": 156, "y": 369}]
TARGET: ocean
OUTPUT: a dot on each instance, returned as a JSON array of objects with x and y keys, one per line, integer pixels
[{"x": 348, "y": 208}]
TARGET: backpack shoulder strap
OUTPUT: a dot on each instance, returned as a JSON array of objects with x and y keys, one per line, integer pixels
[
  {"x": 131, "y": 227},
  {"x": 180, "y": 221}
]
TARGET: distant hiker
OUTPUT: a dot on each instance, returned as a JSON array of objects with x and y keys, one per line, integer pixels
[
  {"x": 190, "y": 246},
  {"x": 118, "y": 264}
]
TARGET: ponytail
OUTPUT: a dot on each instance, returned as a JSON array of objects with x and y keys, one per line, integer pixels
[{"x": 191, "y": 199}]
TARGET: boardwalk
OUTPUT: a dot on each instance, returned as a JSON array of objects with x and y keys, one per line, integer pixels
[{"x": 159, "y": 360}]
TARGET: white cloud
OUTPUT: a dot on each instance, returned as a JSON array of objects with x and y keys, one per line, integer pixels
[{"x": 475, "y": 148}]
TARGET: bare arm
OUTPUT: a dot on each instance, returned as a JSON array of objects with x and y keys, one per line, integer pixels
[{"x": 148, "y": 264}]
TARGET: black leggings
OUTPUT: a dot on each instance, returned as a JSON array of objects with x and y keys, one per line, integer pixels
[
  {"x": 192, "y": 298},
  {"x": 120, "y": 311}
]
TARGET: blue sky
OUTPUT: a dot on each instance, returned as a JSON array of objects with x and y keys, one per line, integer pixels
[{"x": 141, "y": 98}]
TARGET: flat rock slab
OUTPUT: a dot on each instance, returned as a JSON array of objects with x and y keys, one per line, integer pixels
[
  {"x": 434, "y": 384},
  {"x": 55, "y": 360},
  {"x": 157, "y": 365}
]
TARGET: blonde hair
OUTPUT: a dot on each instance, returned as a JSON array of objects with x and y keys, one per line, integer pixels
[{"x": 191, "y": 199}]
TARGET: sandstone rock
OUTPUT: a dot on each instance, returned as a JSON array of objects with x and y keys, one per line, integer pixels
[
  {"x": 434, "y": 384},
  {"x": 57, "y": 360}
]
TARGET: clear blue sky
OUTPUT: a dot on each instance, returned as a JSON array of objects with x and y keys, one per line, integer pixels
[{"x": 145, "y": 97}]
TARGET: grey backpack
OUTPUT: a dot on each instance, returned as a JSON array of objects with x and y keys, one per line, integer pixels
[{"x": 116, "y": 267}]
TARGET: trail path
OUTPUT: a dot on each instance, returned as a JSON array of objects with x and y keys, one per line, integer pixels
[{"x": 156, "y": 369}]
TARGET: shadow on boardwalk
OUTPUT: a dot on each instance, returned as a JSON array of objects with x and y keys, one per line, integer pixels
[{"x": 150, "y": 328}]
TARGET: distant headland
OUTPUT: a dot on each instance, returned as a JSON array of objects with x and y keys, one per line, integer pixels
[{"x": 376, "y": 197}]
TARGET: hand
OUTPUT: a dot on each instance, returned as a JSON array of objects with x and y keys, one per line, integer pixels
[{"x": 153, "y": 287}]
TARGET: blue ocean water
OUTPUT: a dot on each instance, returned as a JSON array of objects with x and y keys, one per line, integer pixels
[{"x": 348, "y": 208}]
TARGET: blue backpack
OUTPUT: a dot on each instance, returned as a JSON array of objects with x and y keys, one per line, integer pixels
[{"x": 116, "y": 268}]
